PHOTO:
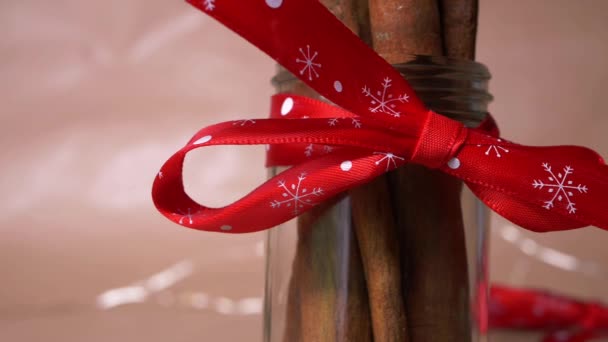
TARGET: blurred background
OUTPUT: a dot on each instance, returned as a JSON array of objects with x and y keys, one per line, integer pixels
[{"x": 97, "y": 95}]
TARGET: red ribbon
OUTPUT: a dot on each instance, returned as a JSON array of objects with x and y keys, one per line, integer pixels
[
  {"x": 382, "y": 126},
  {"x": 565, "y": 319}
]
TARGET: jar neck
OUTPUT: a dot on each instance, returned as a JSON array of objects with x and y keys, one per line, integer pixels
[{"x": 455, "y": 88}]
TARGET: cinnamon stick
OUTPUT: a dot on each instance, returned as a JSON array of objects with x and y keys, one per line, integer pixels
[
  {"x": 328, "y": 295},
  {"x": 459, "y": 27},
  {"x": 376, "y": 231},
  {"x": 315, "y": 271},
  {"x": 376, "y": 238},
  {"x": 331, "y": 295},
  {"x": 293, "y": 329},
  {"x": 427, "y": 203},
  {"x": 353, "y": 317},
  {"x": 435, "y": 263},
  {"x": 402, "y": 28}
]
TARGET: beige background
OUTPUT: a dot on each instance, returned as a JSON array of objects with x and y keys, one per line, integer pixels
[{"x": 96, "y": 95}]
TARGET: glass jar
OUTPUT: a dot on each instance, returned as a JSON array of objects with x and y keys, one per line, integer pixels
[{"x": 403, "y": 256}]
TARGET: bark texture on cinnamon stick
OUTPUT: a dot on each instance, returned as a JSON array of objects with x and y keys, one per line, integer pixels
[
  {"x": 427, "y": 203},
  {"x": 459, "y": 27},
  {"x": 376, "y": 231},
  {"x": 434, "y": 262},
  {"x": 328, "y": 298},
  {"x": 401, "y": 28},
  {"x": 332, "y": 304}
]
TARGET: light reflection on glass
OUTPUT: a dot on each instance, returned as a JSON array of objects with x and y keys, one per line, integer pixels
[
  {"x": 550, "y": 256},
  {"x": 157, "y": 285},
  {"x": 138, "y": 292}
]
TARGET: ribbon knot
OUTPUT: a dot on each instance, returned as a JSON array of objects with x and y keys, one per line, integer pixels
[{"x": 439, "y": 141}]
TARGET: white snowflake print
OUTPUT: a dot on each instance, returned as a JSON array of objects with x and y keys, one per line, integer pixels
[
  {"x": 296, "y": 196},
  {"x": 354, "y": 121},
  {"x": 560, "y": 186},
  {"x": 209, "y": 5},
  {"x": 186, "y": 216},
  {"x": 384, "y": 102},
  {"x": 310, "y": 66},
  {"x": 390, "y": 158},
  {"x": 243, "y": 122},
  {"x": 496, "y": 148},
  {"x": 309, "y": 150},
  {"x": 160, "y": 175}
]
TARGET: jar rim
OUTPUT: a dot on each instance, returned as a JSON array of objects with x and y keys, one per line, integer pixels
[{"x": 471, "y": 68}]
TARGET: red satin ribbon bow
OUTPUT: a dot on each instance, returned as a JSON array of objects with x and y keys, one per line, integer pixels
[
  {"x": 566, "y": 319},
  {"x": 382, "y": 126}
]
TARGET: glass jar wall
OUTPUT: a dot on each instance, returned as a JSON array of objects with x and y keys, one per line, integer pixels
[{"x": 402, "y": 256}]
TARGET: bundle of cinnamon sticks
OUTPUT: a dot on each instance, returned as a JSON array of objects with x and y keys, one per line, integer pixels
[{"x": 401, "y": 271}]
